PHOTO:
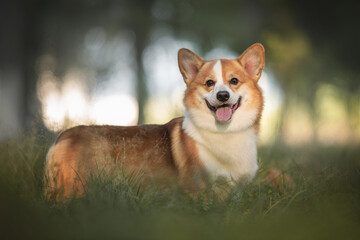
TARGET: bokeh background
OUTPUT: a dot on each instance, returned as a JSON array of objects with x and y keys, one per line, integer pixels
[{"x": 64, "y": 63}]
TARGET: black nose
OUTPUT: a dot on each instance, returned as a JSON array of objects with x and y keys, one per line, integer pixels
[{"x": 223, "y": 96}]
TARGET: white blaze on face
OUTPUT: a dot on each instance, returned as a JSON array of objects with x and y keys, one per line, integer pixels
[
  {"x": 219, "y": 86},
  {"x": 218, "y": 74}
]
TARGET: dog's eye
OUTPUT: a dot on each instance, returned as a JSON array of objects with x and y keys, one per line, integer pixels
[
  {"x": 234, "y": 81},
  {"x": 210, "y": 83}
]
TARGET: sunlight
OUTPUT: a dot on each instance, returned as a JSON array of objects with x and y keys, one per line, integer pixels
[
  {"x": 69, "y": 104},
  {"x": 273, "y": 97},
  {"x": 333, "y": 123},
  {"x": 74, "y": 96},
  {"x": 63, "y": 105},
  {"x": 49, "y": 94},
  {"x": 115, "y": 110},
  {"x": 298, "y": 124},
  {"x": 161, "y": 66},
  {"x": 54, "y": 112},
  {"x": 165, "y": 83}
]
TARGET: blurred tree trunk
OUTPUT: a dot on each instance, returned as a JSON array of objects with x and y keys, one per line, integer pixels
[
  {"x": 142, "y": 24},
  {"x": 141, "y": 85},
  {"x": 11, "y": 67},
  {"x": 19, "y": 47},
  {"x": 31, "y": 41}
]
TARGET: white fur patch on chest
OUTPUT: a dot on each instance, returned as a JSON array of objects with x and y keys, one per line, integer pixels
[{"x": 232, "y": 156}]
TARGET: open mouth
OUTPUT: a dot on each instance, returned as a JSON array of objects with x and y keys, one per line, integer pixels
[{"x": 224, "y": 112}]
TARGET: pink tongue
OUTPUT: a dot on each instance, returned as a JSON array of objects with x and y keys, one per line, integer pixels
[{"x": 224, "y": 113}]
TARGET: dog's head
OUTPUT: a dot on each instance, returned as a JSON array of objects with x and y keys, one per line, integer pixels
[{"x": 223, "y": 94}]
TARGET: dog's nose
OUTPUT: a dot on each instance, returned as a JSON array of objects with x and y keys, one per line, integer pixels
[{"x": 223, "y": 96}]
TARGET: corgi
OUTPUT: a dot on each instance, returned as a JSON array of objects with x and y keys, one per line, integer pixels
[{"x": 215, "y": 140}]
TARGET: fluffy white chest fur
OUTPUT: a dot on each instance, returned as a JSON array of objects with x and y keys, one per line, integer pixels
[{"x": 231, "y": 156}]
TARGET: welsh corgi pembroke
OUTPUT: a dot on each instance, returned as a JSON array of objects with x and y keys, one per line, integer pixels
[{"x": 215, "y": 140}]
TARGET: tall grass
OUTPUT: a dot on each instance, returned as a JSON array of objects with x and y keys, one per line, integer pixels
[{"x": 324, "y": 203}]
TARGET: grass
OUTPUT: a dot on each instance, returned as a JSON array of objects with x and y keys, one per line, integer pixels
[{"x": 324, "y": 204}]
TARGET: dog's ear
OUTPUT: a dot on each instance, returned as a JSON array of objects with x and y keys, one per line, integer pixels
[
  {"x": 189, "y": 64},
  {"x": 253, "y": 60}
]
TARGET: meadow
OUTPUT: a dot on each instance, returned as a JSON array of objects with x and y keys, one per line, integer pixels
[{"x": 324, "y": 203}]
